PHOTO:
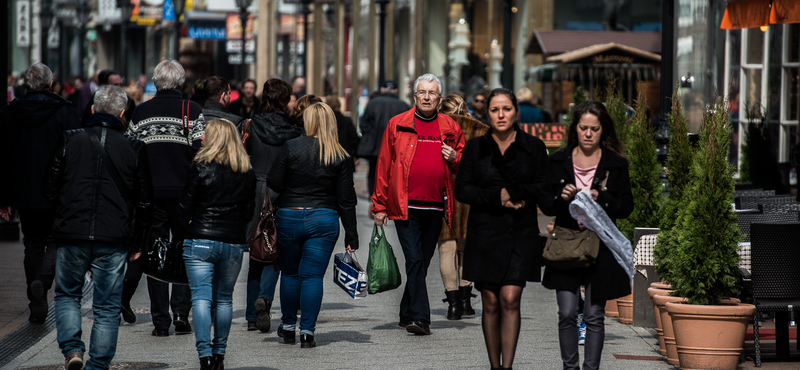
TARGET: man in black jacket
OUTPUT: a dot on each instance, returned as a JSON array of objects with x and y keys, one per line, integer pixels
[
  {"x": 218, "y": 93},
  {"x": 98, "y": 181},
  {"x": 373, "y": 122},
  {"x": 172, "y": 128},
  {"x": 248, "y": 104},
  {"x": 30, "y": 128}
]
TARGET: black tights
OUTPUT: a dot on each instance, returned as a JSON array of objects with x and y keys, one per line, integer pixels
[{"x": 501, "y": 322}]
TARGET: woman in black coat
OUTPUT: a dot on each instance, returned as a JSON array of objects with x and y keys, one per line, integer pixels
[
  {"x": 592, "y": 154},
  {"x": 501, "y": 177}
]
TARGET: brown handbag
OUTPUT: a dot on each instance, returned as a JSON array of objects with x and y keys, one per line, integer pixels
[
  {"x": 245, "y": 132},
  {"x": 263, "y": 242},
  {"x": 568, "y": 249}
]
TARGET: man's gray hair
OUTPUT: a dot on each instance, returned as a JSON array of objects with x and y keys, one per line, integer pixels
[
  {"x": 430, "y": 77},
  {"x": 38, "y": 77},
  {"x": 110, "y": 99},
  {"x": 168, "y": 74}
]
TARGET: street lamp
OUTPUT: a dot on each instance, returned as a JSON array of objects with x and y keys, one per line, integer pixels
[
  {"x": 306, "y": 13},
  {"x": 82, "y": 12},
  {"x": 46, "y": 15},
  {"x": 179, "y": 5},
  {"x": 243, "y": 5},
  {"x": 126, "y": 8},
  {"x": 382, "y": 41},
  {"x": 508, "y": 75}
]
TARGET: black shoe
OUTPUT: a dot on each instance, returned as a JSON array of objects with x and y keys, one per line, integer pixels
[
  {"x": 38, "y": 305},
  {"x": 251, "y": 326},
  {"x": 205, "y": 363},
  {"x": 466, "y": 296},
  {"x": 181, "y": 324},
  {"x": 403, "y": 323},
  {"x": 160, "y": 332},
  {"x": 288, "y": 336},
  {"x": 127, "y": 313},
  {"x": 218, "y": 362},
  {"x": 454, "y": 304},
  {"x": 307, "y": 341},
  {"x": 263, "y": 321},
  {"x": 419, "y": 327}
]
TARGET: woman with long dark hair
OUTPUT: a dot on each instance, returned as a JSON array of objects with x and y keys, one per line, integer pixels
[
  {"x": 501, "y": 176},
  {"x": 591, "y": 160},
  {"x": 215, "y": 206}
]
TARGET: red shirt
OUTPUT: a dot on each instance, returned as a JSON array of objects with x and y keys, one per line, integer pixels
[{"x": 426, "y": 177}]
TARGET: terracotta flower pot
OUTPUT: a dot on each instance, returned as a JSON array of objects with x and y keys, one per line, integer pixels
[
  {"x": 611, "y": 308},
  {"x": 625, "y": 309},
  {"x": 652, "y": 291},
  {"x": 666, "y": 324},
  {"x": 661, "y": 285},
  {"x": 710, "y": 337}
]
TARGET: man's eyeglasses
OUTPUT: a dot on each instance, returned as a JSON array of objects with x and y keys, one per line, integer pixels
[{"x": 432, "y": 94}]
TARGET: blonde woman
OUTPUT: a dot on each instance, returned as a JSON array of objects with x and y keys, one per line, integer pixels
[
  {"x": 216, "y": 205},
  {"x": 314, "y": 176},
  {"x": 458, "y": 292}
]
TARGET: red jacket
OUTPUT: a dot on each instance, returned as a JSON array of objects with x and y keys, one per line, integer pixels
[{"x": 394, "y": 164}]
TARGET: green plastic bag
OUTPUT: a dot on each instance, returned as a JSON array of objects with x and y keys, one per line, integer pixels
[{"x": 382, "y": 271}]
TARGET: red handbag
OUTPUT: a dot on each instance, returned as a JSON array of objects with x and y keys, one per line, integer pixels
[{"x": 264, "y": 241}]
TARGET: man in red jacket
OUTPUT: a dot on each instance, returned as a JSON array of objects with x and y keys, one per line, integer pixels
[{"x": 419, "y": 153}]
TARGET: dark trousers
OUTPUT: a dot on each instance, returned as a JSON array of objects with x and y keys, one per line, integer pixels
[
  {"x": 418, "y": 236},
  {"x": 373, "y": 164},
  {"x": 40, "y": 250},
  {"x": 165, "y": 221}
]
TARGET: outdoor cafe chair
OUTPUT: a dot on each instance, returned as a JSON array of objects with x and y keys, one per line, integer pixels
[
  {"x": 775, "y": 257},
  {"x": 753, "y": 202},
  {"x": 779, "y": 207},
  {"x": 753, "y": 193}
]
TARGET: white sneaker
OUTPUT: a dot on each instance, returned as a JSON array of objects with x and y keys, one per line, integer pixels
[{"x": 582, "y": 333}]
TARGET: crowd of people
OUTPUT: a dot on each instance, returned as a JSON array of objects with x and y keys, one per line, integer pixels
[{"x": 96, "y": 184}]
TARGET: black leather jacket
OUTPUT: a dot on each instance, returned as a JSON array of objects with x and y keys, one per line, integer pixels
[
  {"x": 302, "y": 182},
  {"x": 217, "y": 203},
  {"x": 88, "y": 204}
]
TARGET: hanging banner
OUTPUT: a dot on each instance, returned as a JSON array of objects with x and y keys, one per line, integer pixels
[
  {"x": 169, "y": 11},
  {"x": 147, "y": 12},
  {"x": 234, "y": 27},
  {"x": 23, "y": 24}
]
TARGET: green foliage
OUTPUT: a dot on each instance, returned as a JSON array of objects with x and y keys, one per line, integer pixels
[
  {"x": 679, "y": 161},
  {"x": 577, "y": 97},
  {"x": 759, "y": 164},
  {"x": 618, "y": 110},
  {"x": 644, "y": 167},
  {"x": 705, "y": 262}
]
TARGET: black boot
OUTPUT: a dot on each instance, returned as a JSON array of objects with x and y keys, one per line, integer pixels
[
  {"x": 466, "y": 296},
  {"x": 205, "y": 363},
  {"x": 218, "y": 362},
  {"x": 454, "y": 308}
]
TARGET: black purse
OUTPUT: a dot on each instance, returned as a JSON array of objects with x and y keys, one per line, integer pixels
[{"x": 164, "y": 262}]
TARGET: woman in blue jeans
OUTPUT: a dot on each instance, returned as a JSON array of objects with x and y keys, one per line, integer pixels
[
  {"x": 216, "y": 205},
  {"x": 314, "y": 176}
]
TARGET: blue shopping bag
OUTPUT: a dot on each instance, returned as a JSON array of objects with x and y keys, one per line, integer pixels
[{"x": 349, "y": 275}]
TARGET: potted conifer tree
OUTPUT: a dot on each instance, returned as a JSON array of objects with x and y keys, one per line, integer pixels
[{"x": 709, "y": 331}]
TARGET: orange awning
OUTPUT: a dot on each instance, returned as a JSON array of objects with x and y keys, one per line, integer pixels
[{"x": 757, "y": 13}]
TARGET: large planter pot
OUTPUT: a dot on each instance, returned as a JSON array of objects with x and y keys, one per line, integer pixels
[
  {"x": 652, "y": 291},
  {"x": 611, "y": 308},
  {"x": 710, "y": 337},
  {"x": 625, "y": 309},
  {"x": 666, "y": 325},
  {"x": 661, "y": 285}
]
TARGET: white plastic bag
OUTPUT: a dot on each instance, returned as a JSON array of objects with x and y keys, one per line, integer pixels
[{"x": 349, "y": 275}]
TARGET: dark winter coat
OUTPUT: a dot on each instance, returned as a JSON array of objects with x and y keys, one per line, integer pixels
[
  {"x": 217, "y": 203},
  {"x": 374, "y": 121},
  {"x": 30, "y": 129},
  {"x": 89, "y": 204},
  {"x": 268, "y": 132},
  {"x": 237, "y": 107},
  {"x": 212, "y": 110},
  {"x": 502, "y": 244},
  {"x": 607, "y": 277},
  {"x": 348, "y": 137}
]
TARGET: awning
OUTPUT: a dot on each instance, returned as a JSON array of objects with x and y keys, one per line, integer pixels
[
  {"x": 575, "y": 72},
  {"x": 556, "y": 42},
  {"x": 610, "y": 53},
  {"x": 758, "y": 13}
]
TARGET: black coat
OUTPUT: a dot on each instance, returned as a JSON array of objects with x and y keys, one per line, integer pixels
[
  {"x": 374, "y": 121},
  {"x": 212, "y": 110},
  {"x": 607, "y": 277},
  {"x": 88, "y": 203},
  {"x": 217, "y": 203},
  {"x": 348, "y": 137},
  {"x": 30, "y": 129},
  {"x": 268, "y": 132},
  {"x": 502, "y": 244}
]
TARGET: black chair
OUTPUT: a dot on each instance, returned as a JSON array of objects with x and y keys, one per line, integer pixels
[
  {"x": 753, "y": 202},
  {"x": 745, "y": 219},
  {"x": 779, "y": 207},
  {"x": 775, "y": 261},
  {"x": 743, "y": 186},
  {"x": 753, "y": 193}
]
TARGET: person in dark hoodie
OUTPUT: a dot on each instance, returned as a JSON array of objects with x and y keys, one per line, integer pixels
[
  {"x": 96, "y": 226},
  {"x": 269, "y": 130},
  {"x": 217, "y": 91},
  {"x": 30, "y": 128}
]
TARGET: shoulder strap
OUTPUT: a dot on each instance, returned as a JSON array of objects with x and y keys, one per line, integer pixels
[
  {"x": 108, "y": 164},
  {"x": 267, "y": 200},
  {"x": 185, "y": 114}
]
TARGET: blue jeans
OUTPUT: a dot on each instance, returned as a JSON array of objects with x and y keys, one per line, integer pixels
[
  {"x": 212, "y": 268},
  {"x": 306, "y": 238},
  {"x": 106, "y": 261},
  {"x": 418, "y": 236},
  {"x": 261, "y": 282}
]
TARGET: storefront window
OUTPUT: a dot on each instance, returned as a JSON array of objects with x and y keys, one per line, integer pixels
[
  {"x": 752, "y": 87},
  {"x": 755, "y": 46},
  {"x": 792, "y": 93},
  {"x": 793, "y": 43}
]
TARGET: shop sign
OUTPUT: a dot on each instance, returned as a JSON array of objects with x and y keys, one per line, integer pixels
[
  {"x": 147, "y": 12},
  {"x": 234, "y": 26},
  {"x": 551, "y": 133},
  {"x": 169, "y": 11},
  {"x": 236, "y": 59},
  {"x": 235, "y": 46},
  {"x": 207, "y": 31},
  {"x": 23, "y": 24}
]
